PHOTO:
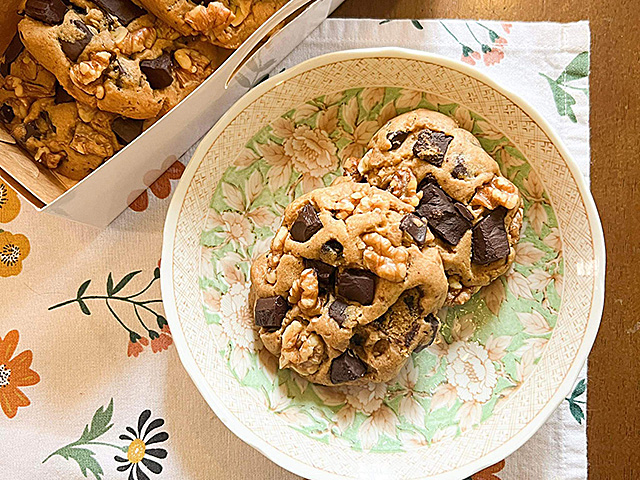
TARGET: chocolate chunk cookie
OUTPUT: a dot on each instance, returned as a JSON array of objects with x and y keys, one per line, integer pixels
[
  {"x": 114, "y": 56},
  {"x": 456, "y": 189},
  {"x": 69, "y": 137},
  {"x": 226, "y": 23},
  {"x": 343, "y": 294}
]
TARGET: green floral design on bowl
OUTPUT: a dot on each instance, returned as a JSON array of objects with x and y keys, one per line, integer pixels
[{"x": 487, "y": 347}]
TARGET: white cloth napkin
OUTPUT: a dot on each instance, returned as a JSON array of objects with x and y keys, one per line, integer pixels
[{"x": 85, "y": 360}]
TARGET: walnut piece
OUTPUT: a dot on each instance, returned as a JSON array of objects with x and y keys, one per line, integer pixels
[
  {"x": 301, "y": 350},
  {"x": 383, "y": 259},
  {"x": 404, "y": 185},
  {"x": 192, "y": 64},
  {"x": 350, "y": 169},
  {"x": 275, "y": 253},
  {"x": 84, "y": 73},
  {"x": 499, "y": 192},
  {"x": 304, "y": 293},
  {"x": 87, "y": 141},
  {"x": 48, "y": 158},
  {"x": 214, "y": 16},
  {"x": 136, "y": 41}
]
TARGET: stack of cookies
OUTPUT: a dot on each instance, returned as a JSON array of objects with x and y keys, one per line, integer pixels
[
  {"x": 356, "y": 273},
  {"x": 83, "y": 78}
]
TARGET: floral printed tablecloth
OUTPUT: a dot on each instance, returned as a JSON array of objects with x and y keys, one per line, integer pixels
[{"x": 90, "y": 382}]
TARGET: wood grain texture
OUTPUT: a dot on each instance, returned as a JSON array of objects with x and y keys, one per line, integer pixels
[{"x": 613, "y": 416}]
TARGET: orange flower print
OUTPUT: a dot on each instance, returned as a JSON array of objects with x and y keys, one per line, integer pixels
[
  {"x": 489, "y": 473},
  {"x": 492, "y": 56},
  {"x": 161, "y": 342},
  {"x": 9, "y": 203},
  {"x": 13, "y": 250},
  {"x": 136, "y": 346},
  {"x": 14, "y": 373},
  {"x": 161, "y": 188},
  {"x": 507, "y": 27}
]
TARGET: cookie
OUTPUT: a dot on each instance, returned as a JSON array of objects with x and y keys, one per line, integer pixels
[
  {"x": 475, "y": 214},
  {"x": 69, "y": 137},
  {"x": 343, "y": 285},
  {"x": 114, "y": 56},
  {"x": 225, "y": 23}
]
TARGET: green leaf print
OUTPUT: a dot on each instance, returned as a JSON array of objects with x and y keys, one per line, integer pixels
[
  {"x": 100, "y": 424},
  {"x": 575, "y": 405},
  {"x": 577, "y": 69},
  {"x": 417, "y": 24}
]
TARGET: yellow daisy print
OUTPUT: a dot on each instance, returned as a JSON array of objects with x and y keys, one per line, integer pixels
[
  {"x": 13, "y": 250},
  {"x": 9, "y": 203}
]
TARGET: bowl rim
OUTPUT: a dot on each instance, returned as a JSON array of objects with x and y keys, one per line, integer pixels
[{"x": 224, "y": 414}]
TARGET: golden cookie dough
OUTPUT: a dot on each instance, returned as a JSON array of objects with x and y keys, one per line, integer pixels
[{"x": 352, "y": 283}]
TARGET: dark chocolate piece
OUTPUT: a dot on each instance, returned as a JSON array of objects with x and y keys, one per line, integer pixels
[
  {"x": 333, "y": 247},
  {"x": 73, "y": 49},
  {"x": 415, "y": 227},
  {"x": 158, "y": 71},
  {"x": 123, "y": 10},
  {"x": 442, "y": 216},
  {"x": 306, "y": 225},
  {"x": 62, "y": 96},
  {"x": 463, "y": 210},
  {"x": 10, "y": 54},
  {"x": 50, "y": 12},
  {"x": 357, "y": 340},
  {"x": 126, "y": 129},
  {"x": 431, "y": 146},
  {"x": 324, "y": 272},
  {"x": 396, "y": 139},
  {"x": 490, "y": 242},
  {"x": 357, "y": 285},
  {"x": 459, "y": 171},
  {"x": 270, "y": 311},
  {"x": 31, "y": 130},
  {"x": 338, "y": 311},
  {"x": 6, "y": 113},
  {"x": 347, "y": 367}
]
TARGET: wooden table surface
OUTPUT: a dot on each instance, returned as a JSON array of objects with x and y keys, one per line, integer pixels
[{"x": 613, "y": 415}]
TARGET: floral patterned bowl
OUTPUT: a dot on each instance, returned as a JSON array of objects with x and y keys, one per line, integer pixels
[{"x": 506, "y": 359}]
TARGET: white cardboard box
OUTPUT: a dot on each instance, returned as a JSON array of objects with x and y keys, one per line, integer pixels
[{"x": 100, "y": 197}]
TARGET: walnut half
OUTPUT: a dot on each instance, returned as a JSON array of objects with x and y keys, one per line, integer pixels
[
  {"x": 304, "y": 293},
  {"x": 301, "y": 350},
  {"x": 499, "y": 192},
  {"x": 383, "y": 259}
]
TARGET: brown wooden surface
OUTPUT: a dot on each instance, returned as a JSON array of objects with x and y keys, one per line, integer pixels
[{"x": 613, "y": 416}]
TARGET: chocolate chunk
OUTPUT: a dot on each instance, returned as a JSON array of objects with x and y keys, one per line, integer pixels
[
  {"x": 431, "y": 146},
  {"x": 10, "y": 54},
  {"x": 123, "y": 10},
  {"x": 357, "y": 340},
  {"x": 270, "y": 311},
  {"x": 333, "y": 247},
  {"x": 31, "y": 130},
  {"x": 415, "y": 227},
  {"x": 347, "y": 367},
  {"x": 6, "y": 113},
  {"x": 47, "y": 11},
  {"x": 158, "y": 71},
  {"x": 324, "y": 272},
  {"x": 443, "y": 218},
  {"x": 73, "y": 49},
  {"x": 62, "y": 96},
  {"x": 490, "y": 242},
  {"x": 396, "y": 139},
  {"x": 459, "y": 171},
  {"x": 435, "y": 324},
  {"x": 338, "y": 311},
  {"x": 357, "y": 285},
  {"x": 464, "y": 211},
  {"x": 126, "y": 129},
  {"x": 306, "y": 225}
]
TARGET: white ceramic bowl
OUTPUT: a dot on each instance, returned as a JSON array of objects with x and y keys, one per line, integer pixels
[{"x": 506, "y": 359}]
